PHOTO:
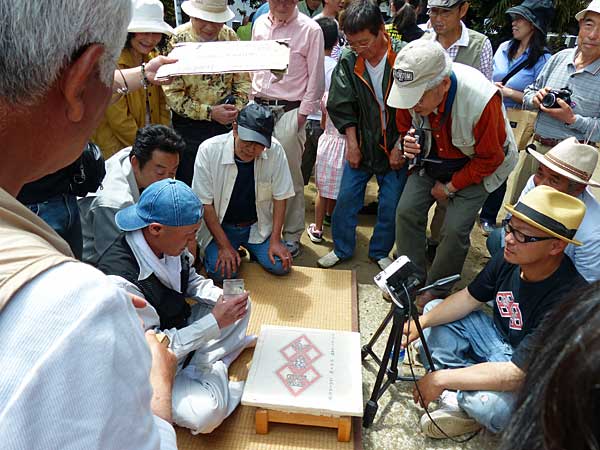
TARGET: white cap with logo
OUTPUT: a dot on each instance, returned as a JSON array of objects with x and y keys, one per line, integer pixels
[{"x": 418, "y": 63}]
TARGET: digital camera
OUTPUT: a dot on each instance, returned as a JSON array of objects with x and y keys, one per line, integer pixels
[{"x": 550, "y": 99}]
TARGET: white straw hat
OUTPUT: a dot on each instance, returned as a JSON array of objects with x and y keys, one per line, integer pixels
[
  {"x": 148, "y": 17},
  {"x": 210, "y": 10}
]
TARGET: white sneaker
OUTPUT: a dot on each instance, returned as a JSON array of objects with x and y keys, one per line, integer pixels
[
  {"x": 293, "y": 247},
  {"x": 384, "y": 263},
  {"x": 449, "y": 417},
  {"x": 329, "y": 260}
]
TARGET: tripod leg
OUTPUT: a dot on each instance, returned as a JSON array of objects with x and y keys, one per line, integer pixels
[
  {"x": 367, "y": 349},
  {"x": 395, "y": 336},
  {"x": 415, "y": 317}
]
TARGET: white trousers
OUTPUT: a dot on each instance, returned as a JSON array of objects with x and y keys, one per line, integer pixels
[
  {"x": 287, "y": 133},
  {"x": 202, "y": 395}
]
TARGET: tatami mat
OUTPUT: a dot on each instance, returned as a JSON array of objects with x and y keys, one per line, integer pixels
[{"x": 307, "y": 297}]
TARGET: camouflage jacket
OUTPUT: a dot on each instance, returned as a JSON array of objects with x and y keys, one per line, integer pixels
[{"x": 190, "y": 96}]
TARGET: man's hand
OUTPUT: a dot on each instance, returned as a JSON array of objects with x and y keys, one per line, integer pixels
[
  {"x": 153, "y": 65},
  {"x": 563, "y": 114},
  {"x": 439, "y": 192},
  {"x": 397, "y": 159},
  {"x": 353, "y": 155},
  {"x": 223, "y": 114},
  {"x": 411, "y": 148},
  {"x": 276, "y": 248},
  {"x": 228, "y": 261},
  {"x": 162, "y": 374},
  {"x": 410, "y": 333},
  {"x": 301, "y": 121},
  {"x": 430, "y": 388},
  {"x": 231, "y": 310}
]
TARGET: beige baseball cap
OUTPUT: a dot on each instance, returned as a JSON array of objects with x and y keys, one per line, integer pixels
[{"x": 416, "y": 64}]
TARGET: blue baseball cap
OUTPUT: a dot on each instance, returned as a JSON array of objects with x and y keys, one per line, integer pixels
[{"x": 167, "y": 202}]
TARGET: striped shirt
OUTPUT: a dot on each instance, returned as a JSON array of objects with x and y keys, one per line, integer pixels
[{"x": 560, "y": 72}]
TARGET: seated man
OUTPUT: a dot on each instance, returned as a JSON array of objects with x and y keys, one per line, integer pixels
[
  {"x": 154, "y": 156},
  {"x": 568, "y": 168},
  {"x": 243, "y": 180},
  {"x": 481, "y": 360},
  {"x": 150, "y": 259}
]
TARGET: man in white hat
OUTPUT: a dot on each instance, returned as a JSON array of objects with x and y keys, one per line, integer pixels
[
  {"x": 577, "y": 69},
  {"x": 293, "y": 97},
  {"x": 481, "y": 361},
  {"x": 467, "y": 143},
  {"x": 204, "y": 105},
  {"x": 568, "y": 168}
]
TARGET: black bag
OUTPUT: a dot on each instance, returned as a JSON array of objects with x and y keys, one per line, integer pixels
[{"x": 88, "y": 171}]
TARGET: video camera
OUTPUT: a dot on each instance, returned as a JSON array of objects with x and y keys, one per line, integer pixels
[{"x": 400, "y": 279}]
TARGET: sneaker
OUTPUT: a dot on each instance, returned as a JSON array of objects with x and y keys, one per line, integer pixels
[
  {"x": 486, "y": 226},
  {"x": 293, "y": 247},
  {"x": 327, "y": 220},
  {"x": 315, "y": 235},
  {"x": 329, "y": 260},
  {"x": 449, "y": 417},
  {"x": 384, "y": 263}
]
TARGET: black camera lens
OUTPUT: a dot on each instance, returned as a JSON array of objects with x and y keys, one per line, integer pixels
[{"x": 549, "y": 100}]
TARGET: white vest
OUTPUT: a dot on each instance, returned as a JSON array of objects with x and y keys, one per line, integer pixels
[{"x": 474, "y": 86}]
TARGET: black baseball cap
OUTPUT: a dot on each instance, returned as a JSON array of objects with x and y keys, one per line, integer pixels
[{"x": 255, "y": 124}]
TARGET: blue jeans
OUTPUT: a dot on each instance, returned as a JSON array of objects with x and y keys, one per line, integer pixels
[
  {"x": 239, "y": 236},
  {"x": 468, "y": 341},
  {"x": 62, "y": 214},
  {"x": 350, "y": 201}
]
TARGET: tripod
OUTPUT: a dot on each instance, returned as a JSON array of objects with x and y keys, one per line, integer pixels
[{"x": 401, "y": 311}]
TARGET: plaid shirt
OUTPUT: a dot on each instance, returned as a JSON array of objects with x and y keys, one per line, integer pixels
[
  {"x": 560, "y": 72},
  {"x": 487, "y": 53}
]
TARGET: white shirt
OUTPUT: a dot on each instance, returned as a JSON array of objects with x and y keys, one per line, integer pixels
[
  {"x": 330, "y": 64},
  {"x": 75, "y": 367},
  {"x": 587, "y": 256},
  {"x": 168, "y": 271},
  {"x": 376, "y": 74},
  {"x": 215, "y": 173}
]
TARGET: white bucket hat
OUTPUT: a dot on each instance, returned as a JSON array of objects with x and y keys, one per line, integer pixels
[
  {"x": 210, "y": 10},
  {"x": 594, "y": 6},
  {"x": 148, "y": 17},
  {"x": 570, "y": 159}
]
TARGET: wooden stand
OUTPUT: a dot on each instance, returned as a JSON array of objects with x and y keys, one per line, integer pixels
[{"x": 264, "y": 416}]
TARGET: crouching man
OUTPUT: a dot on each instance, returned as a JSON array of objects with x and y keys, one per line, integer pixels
[
  {"x": 244, "y": 181},
  {"x": 481, "y": 360},
  {"x": 150, "y": 259}
]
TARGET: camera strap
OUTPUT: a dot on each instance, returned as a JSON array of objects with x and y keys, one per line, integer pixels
[
  {"x": 514, "y": 71},
  {"x": 449, "y": 99}
]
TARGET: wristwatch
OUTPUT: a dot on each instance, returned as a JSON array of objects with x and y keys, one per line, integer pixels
[{"x": 448, "y": 193}]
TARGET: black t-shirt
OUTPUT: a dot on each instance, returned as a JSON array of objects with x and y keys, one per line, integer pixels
[
  {"x": 242, "y": 205},
  {"x": 520, "y": 305}
]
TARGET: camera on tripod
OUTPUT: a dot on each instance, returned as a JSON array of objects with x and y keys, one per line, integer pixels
[
  {"x": 400, "y": 279},
  {"x": 550, "y": 100}
]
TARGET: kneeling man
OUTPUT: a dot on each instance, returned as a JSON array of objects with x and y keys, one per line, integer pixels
[
  {"x": 243, "y": 180},
  {"x": 481, "y": 360},
  {"x": 151, "y": 260}
]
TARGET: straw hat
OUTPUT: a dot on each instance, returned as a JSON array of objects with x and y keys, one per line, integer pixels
[
  {"x": 148, "y": 17},
  {"x": 570, "y": 159},
  {"x": 209, "y": 10},
  {"x": 551, "y": 211}
]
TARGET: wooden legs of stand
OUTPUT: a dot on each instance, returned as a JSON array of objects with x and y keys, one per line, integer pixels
[{"x": 264, "y": 416}]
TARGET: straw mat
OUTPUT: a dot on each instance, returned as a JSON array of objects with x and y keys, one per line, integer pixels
[{"x": 307, "y": 297}]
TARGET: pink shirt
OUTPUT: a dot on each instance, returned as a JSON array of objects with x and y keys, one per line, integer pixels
[{"x": 305, "y": 80}]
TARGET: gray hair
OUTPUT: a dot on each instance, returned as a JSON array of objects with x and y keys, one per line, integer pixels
[
  {"x": 443, "y": 74},
  {"x": 39, "y": 37}
]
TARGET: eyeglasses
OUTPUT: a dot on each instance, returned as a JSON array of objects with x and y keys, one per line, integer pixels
[
  {"x": 519, "y": 236},
  {"x": 357, "y": 47}
]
